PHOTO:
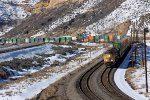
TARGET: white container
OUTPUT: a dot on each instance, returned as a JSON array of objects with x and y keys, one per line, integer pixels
[
  {"x": 102, "y": 40},
  {"x": 74, "y": 38},
  {"x": 27, "y": 40},
  {"x": 118, "y": 37}
]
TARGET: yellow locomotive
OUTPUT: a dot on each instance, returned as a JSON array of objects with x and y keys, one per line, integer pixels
[{"x": 112, "y": 55}]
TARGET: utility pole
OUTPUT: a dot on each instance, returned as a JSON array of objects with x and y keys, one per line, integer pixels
[
  {"x": 131, "y": 36},
  {"x": 142, "y": 42},
  {"x": 145, "y": 63},
  {"x": 132, "y": 46},
  {"x": 135, "y": 50}
]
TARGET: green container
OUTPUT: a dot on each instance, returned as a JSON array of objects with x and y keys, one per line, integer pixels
[
  {"x": 97, "y": 38},
  {"x": 106, "y": 38},
  {"x": 40, "y": 39},
  {"x": 8, "y": 40},
  {"x": 32, "y": 40},
  {"x": 80, "y": 38},
  {"x": 36, "y": 40},
  {"x": 62, "y": 39},
  {"x": 115, "y": 37},
  {"x": 14, "y": 40},
  {"x": 52, "y": 39},
  {"x": 18, "y": 40},
  {"x": 117, "y": 45},
  {"x": 22, "y": 40},
  {"x": 56, "y": 39},
  {"x": 46, "y": 40},
  {"x": 2, "y": 40},
  {"x": 68, "y": 39},
  {"x": 27, "y": 40}
]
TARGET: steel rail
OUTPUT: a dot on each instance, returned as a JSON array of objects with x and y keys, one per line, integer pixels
[{"x": 107, "y": 87}]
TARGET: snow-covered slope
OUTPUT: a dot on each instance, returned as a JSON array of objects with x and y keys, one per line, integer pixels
[
  {"x": 84, "y": 8},
  {"x": 22, "y": 90},
  {"x": 11, "y": 11},
  {"x": 130, "y": 9}
]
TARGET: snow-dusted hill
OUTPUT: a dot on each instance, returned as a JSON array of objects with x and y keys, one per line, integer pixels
[
  {"x": 11, "y": 11},
  {"x": 128, "y": 10}
]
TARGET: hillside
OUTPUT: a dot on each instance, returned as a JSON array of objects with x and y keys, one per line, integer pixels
[
  {"x": 71, "y": 22},
  {"x": 12, "y": 13},
  {"x": 40, "y": 66},
  {"x": 92, "y": 16},
  {"x": 49, "y": 4}
]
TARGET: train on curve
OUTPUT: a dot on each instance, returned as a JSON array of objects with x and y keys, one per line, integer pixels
[{"x": 112, "y": 55}]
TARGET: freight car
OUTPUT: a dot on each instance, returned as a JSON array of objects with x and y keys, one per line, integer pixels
[{"x": 112, "y": 55}]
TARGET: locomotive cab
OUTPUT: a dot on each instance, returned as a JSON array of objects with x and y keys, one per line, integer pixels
[{"x": 109, "y": 58}]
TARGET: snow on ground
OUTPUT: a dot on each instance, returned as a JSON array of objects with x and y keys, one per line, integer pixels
[
  {"x": 90, "y": 44},
  {"x": 138, "y": 78},
  {"x": 65, "y": 46},
  {"x": 22, "y": 91},
  {"x": 129, "y": 9},
  {"x": 29, "y": 2},
  {"x": 27, "y": 53},
  {"x": 34, "y": 52},
  {"x": 86, "y": 6}
]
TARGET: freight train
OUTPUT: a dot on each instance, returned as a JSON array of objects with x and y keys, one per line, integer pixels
[
  {"x": 113, "y": 55},
  {"x": 63, "y": 39}
]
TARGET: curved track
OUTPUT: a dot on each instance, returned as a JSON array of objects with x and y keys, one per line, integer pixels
[{"x": 97, "y": 84}]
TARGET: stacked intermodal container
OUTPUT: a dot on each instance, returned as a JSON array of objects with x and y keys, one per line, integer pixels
[
  {"x": 56, "y": 39},
  {"x": 97, "y": 38},
  {"x": 91, "y": 38},
  {"x": 74, "y": 38},
  {"x": 115, "y": 37},
  {"x": 106, "y": 38},
  {"x": 80, "y": 38},
  {"x": 18, "y": 40},
  {"x": 68, "y": 39},
  {"x": 22, "y": 40},
  {"x": 124, "y": 42},
  {"x": 117, "y": 44},
  {"x": 51, "y": 39},
  {"x": 32, "y": 40},
  {"x": 62, "y": 39},
  {"x": 36, "y": 40},
  {"x": 85, "y": 39},
  {"x": 14, "y": 40},
  {"x": 1, "y": 40},
  {"x": 111, "y": 37},
  {"x": 46, "y": 40},
  {"x": 8, "y": 40},
  {"x": 27, "y": 40}
]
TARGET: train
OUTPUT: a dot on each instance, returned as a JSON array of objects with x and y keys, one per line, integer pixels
[
  {"x": 61, "y": 39},
  {"x": 112, "y": 55},
  {"x": 105, "y": 38}
]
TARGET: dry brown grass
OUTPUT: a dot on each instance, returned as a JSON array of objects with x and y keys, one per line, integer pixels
[
  {"x": 122, "y": 28},
  {"x": 49, "y": 4},
  {"x": 56, "y": 91},
  {"x": 128, "y": 77},
  {"x": 49, "y": 92}
]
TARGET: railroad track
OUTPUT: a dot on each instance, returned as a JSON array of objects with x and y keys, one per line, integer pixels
[{"x": 98, "y": 84}]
